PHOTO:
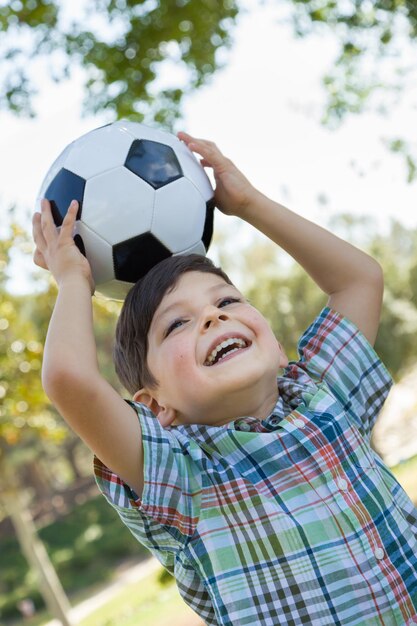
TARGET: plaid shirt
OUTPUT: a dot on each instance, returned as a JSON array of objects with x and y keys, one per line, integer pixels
[{"x": 290, "y": 520}]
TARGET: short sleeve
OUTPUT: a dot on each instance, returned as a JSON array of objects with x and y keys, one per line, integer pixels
[
  {"x": 335, "y": 351},
  {"x": 167, "y": 513}
]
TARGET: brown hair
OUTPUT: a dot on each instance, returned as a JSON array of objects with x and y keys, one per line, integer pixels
[{"x": 131, "y": 342}]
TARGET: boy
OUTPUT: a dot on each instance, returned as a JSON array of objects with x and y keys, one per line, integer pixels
[{"x": 260, "y": 494}]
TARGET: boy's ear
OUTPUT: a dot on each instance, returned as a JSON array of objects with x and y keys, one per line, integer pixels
[{"x": 165, "y": 415}]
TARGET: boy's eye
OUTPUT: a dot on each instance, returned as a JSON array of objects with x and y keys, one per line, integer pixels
[
  {"x": 226, "y": 301},
  {"x": 175, "y": 324},
  {"x": 180, "y": 321}
]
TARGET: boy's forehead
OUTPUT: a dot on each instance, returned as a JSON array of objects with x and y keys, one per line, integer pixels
[
  {"x": 188, "y": 286},
  {"x": 205, "y": 280}
]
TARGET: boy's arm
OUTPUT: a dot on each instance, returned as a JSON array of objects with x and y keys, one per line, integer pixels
[
  {"x": 352, "y": 279},
  {"x": 70, "y": 374}
]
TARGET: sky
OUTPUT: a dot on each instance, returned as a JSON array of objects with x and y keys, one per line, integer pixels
[{"x": 263, "y": 111}]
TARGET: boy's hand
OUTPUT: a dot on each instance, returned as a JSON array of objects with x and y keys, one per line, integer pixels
[
  {"x": 56, "y": 250},
  {"x": 234, "y": 193}
]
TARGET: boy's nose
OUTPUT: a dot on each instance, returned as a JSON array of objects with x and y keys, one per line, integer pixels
[{"x": 213, "y": 315}]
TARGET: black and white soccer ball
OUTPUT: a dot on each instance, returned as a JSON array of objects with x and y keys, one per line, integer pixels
[{"x": 143, "y": 197}]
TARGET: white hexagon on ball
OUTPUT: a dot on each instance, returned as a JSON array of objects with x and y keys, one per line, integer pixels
[
  {"x": 179, "y": 214},
  {"x": 97, "y": 151},
  {"x": 99, "y": 253},
  {"x": 119, "y": 192}
]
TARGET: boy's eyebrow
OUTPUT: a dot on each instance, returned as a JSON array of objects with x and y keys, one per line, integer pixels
[
  {"x": 181, "y": 303},
  {"x": 169, "y": 308}
]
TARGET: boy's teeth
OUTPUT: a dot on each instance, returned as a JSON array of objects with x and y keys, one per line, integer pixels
[{"x": 233, "y": 341}]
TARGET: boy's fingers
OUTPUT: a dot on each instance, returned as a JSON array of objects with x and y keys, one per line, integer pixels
[
  {"x": 37, "y": 233},
  {"x": 39, "y": 240},
  {"x": 48, "y": 225},
  {"x": 207, "y": 149},
  {"x": 69, "y": 220},
  {"x": 185, "y": 137}
]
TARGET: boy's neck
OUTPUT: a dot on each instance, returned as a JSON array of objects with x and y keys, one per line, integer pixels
[{"x": 235, "y": 408}]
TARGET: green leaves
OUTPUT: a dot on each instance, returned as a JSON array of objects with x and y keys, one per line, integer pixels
[
  {"x": 26, "y": 415},
  {"x": 406, "y": 150},
  {"x": 139, "y": 58},
  {"x": 369, "y": 35},
  {"x": 29, "y": 13}
]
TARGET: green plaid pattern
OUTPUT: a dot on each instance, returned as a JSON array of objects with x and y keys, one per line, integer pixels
[{"x": 290, "y": 520}]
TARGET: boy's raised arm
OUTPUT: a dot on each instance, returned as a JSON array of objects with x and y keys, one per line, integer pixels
[
  {"x": 70, "y": 373},
  {"x": 352, "y": 279}
]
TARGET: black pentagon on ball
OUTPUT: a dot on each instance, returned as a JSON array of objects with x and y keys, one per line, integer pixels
[
  {"x": 208, "y": 224},
  {"x": 156, "y": 163},
  {"x": 133, "y": 258},
  {"x": 66, "y": 186}
]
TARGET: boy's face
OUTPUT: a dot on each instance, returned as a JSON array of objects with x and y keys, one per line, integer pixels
[{"x": 200, "y": 380}]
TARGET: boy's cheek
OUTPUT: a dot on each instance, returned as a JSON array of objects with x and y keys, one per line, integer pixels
[{"x": 181, "y": 362}]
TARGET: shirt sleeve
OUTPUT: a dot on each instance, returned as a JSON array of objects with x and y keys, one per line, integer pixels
[
  {"x": 335, "y": 351},
  {"x": 167, "y": 513}
]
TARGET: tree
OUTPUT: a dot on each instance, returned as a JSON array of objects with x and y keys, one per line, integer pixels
[
  {"x": 128, "y": 48},
  {"x": 29, "y": 425},
  {"x": 24, "y": 416},
  {"x": 369, "y": 34},
  {"x": 123, "y": 46},
  {"x": 371, "y": 69},
  {"x": 27, "y": 419}
]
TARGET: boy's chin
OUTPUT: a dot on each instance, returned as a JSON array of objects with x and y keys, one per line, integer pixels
[{"x": 243, "y": 373}]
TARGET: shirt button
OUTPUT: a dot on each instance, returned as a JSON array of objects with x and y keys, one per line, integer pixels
[
  {"x": 274, "y": 420},
  {"x": 298, "y": 423},
  {"x": 244, "y": 426},
  {"x": 379, "y": 553},
  {"x": 342, "y": 484}
]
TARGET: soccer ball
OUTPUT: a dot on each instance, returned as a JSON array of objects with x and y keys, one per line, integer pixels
[{"x": 143, "y": 197}]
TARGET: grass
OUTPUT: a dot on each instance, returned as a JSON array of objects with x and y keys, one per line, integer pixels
[
  {"x": 85, "y": 547},
  {"x": 147, "y": 603}
]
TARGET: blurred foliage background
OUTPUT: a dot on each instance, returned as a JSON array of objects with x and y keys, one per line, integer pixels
[{"x": 128, "y": 51}]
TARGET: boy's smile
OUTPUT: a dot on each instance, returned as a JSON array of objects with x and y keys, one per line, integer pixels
[
  {"x": 214, "y": 355},
  {"x": 223, "y": 348}
]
